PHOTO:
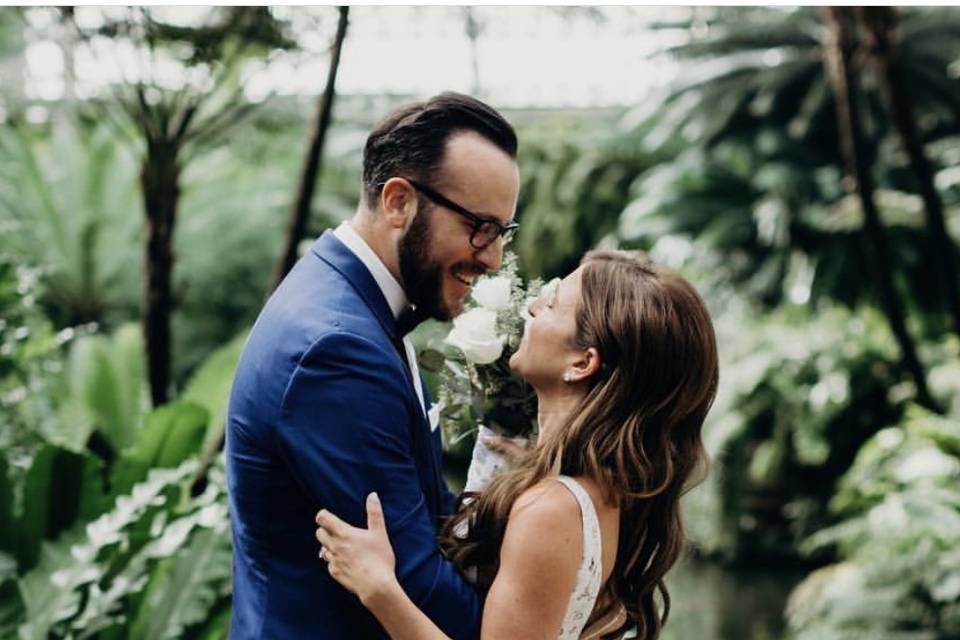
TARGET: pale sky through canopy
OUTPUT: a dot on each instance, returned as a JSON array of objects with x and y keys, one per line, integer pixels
[{"x": 525, "y": 56}]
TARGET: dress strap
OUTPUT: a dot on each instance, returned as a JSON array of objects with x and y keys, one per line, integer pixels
[
  {"x": 591, "y": 523},
  {"x": 587, "y": 589}
]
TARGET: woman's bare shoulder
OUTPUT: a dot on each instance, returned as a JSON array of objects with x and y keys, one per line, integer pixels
[
  {"x": 548, "y": 495},
  {"x": 547, "y": 504},
  {"x": 544, "y": 529}
]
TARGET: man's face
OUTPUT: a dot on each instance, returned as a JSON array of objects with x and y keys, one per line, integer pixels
[{"x": 437, "y": 262}]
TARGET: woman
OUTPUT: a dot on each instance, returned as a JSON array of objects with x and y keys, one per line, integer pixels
[{"x": 623, "y": 358}]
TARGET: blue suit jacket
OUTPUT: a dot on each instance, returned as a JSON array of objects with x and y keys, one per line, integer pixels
[{"x": 322, "y": 412}]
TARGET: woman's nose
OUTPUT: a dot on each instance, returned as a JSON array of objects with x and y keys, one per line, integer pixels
[{"x": 534, "y": 307}]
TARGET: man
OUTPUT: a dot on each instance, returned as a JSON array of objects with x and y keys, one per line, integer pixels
[{"x": 328, "y": 405}]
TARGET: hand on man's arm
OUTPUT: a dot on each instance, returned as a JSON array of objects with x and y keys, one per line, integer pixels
[{"x": 344, "y": 429}]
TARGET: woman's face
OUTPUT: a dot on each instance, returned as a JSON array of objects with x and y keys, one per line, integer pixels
[{"x": 545, "y": 352}]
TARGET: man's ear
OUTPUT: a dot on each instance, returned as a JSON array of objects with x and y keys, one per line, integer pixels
[{"x": 398, "y": 203}]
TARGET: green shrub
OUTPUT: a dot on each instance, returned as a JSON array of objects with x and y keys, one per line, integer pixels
[{"x": 898, "y": 541}]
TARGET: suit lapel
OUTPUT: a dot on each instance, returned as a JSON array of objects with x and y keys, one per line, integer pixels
[{"x": 329, "y": 249}]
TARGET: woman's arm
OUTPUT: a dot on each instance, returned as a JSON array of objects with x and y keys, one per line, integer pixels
[
  {"x": 362, "y": 561},
  {"x": 539, "y": 559}
]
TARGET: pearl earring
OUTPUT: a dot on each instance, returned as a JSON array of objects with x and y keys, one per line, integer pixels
[{"x": 567, "y": 377}]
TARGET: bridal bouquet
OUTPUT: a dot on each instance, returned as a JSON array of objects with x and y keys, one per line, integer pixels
[
  {"x": 477, "y": 388},
  {"x": 478, "y": 392}
]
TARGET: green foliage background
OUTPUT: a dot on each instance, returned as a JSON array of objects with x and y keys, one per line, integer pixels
[{"x": 823, "y": 464}]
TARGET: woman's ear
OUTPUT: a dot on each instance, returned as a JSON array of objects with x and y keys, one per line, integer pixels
[{"x": 587, "y": 364}]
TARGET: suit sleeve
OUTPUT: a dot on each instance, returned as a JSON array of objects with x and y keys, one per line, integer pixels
[{"x": 344, "y": 429}]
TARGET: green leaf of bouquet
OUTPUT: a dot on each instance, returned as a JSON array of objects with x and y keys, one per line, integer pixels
[
  {"x": 171, "y": 434},
  {"x": 431, "y": 359}
]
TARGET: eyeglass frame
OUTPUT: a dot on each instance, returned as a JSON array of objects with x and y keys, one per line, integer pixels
[{"x": 478, "y": 221}]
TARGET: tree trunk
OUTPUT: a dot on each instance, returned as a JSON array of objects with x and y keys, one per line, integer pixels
[
  {"x": 313, "y": 160},
  {"x": 300, "y": 212},
  {"x": 472, "y": 28},
  {"x": 838, "y": 62},
  {"x": 160, "y": 181},
  {"x": 881, "y": 24}
]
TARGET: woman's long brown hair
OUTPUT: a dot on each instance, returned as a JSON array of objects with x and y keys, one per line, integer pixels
[{"x": 636, "y": 432}]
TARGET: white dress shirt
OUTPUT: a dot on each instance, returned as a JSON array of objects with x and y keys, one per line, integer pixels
[{"x": 392, "y": 291}]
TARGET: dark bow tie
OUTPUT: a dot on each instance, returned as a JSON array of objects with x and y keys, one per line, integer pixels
[{"x": 408, "y": 320}]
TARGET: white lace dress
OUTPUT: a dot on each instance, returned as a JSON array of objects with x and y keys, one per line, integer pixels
[{"x": 588, "y": 576}]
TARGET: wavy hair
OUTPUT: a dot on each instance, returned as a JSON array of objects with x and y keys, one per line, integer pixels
[{"x": 636, "y": 433}]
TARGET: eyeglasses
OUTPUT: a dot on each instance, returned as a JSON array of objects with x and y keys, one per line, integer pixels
[{"x": 485, "y": 230}]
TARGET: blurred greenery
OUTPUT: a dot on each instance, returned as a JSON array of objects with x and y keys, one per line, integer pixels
[{"x": 825, "y": 473}]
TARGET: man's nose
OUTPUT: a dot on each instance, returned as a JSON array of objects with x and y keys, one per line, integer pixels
[{"x": 491, "y": 256}]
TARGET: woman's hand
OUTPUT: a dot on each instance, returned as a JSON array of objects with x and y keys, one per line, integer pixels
[
  {"x": 361, "y": 560},
  {"x": 513, "y": 449}
]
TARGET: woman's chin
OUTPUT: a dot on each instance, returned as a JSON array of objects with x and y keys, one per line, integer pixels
[{"x": 514, "y": 359}]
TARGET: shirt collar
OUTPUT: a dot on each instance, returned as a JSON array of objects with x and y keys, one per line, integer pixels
[{"x": 391, "y": 289}]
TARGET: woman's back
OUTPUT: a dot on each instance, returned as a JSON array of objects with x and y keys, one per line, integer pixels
[{"x": 597, "y": 534}]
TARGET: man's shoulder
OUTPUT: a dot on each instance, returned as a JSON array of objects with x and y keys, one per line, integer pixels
[
  {"x": 313, "y": 301},
  {"x": 314, "y": 310}
]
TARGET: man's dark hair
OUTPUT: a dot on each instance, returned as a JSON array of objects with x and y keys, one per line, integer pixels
[{"x": 410, "y": 141}]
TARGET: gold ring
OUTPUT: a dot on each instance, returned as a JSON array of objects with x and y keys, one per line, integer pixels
[{"x": 323, "y": 554}]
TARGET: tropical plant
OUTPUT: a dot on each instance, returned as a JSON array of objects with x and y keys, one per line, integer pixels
[
  {"x": 898, "y": 541},
  {"x": 883, "y": 41},
  {"x": 575, "y": 181},
  {"x": 761, "y": 70},
  {"x": 68, "y": 202},
  {"x": 313, "y": 159},
  {"x": 156, "y": 565},
  {"x": 173, "y": 125},
  {"x": 798, "y": 397},
  {"x": 102, "y": 541},
  {"x": 32, "y": 355},
  {"x": 841, "y": 68}
]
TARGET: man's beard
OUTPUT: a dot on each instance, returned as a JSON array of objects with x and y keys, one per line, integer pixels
[
  {"x": 422, "y": 275},
  {"x": 422, "y": 278}
]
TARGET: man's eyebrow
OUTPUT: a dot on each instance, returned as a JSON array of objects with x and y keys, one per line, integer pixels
[{"x": 486, "y": 217}]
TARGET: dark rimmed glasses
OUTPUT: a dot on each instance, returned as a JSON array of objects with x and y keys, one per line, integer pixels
[{"x": 485, "y": 230}]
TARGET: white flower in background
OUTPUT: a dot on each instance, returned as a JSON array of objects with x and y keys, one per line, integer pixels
[
  {"x": 475, "y": 334},
  {"x": 493, "y": 293}
]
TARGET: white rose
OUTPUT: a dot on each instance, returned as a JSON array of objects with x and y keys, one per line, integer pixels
[
  {"x": 475, "y": 334},
  {"x": 493, "y": 293}
]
